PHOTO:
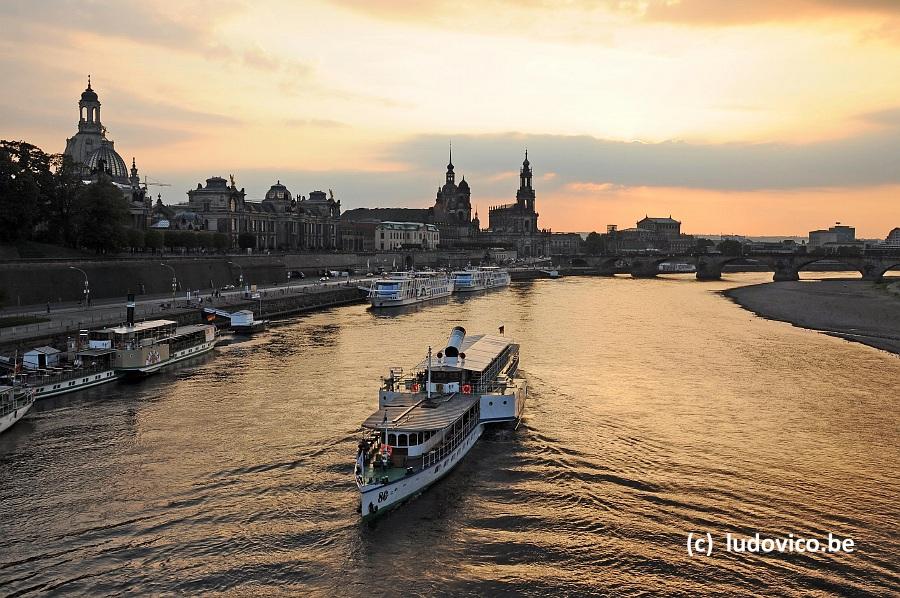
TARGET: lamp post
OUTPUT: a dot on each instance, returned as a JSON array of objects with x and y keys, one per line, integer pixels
[
  {"x": 174, "y": 281},
  {"x": 86, "y": 292},
  {"x": 241, "y": 277}
]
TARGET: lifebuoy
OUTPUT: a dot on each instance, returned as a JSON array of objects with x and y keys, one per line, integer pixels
[
  {"x": 466, "y": 388},
  {"x": 415, "y": 387}
]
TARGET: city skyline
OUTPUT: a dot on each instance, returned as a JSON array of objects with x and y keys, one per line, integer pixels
[{"x": 770, "y": 120}]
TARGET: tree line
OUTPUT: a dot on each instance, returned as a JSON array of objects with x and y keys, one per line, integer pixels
[{"x": 43, "y": 198}]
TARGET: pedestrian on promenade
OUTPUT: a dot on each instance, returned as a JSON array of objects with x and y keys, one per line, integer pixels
[{"x": 48, "y": 306}]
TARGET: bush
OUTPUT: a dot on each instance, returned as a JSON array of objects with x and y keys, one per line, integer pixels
[
  {"x": 135, "y": 238},
  {"x": 153, "y": 239},
  {"x": 220, "y": 241},
  {"x": 246, "y": 241}
]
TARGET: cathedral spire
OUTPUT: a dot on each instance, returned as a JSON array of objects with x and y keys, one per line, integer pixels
[{"x": 89, "y": 81}]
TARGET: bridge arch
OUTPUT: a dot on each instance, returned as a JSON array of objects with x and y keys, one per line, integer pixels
[{"x": 851, "y": 263}]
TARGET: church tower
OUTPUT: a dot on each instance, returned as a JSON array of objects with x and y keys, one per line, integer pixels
[
  {"x": 451, "y": 177},
  {"x": 90, "y": 135},
  {"x": 525, "y": 194}
]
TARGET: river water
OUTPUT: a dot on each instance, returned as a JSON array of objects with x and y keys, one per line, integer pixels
[{"x": 656, "y": 408}]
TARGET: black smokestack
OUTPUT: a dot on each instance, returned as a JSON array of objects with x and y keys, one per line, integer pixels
[{"x": 130, "y": 306}]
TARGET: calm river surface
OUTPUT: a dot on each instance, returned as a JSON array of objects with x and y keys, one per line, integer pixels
[{"x": 656, "y": 408}]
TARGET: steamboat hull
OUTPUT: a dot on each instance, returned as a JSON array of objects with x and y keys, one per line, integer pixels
[{"x": 377, "y": 499}]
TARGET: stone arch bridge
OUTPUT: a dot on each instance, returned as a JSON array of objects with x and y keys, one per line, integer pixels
[{"x": 786, "y": 266}]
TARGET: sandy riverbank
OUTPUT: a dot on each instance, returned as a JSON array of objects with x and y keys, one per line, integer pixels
[{"x": 856, "y": 310}]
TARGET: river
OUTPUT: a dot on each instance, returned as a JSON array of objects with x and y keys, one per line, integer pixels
[{"x": 656, "y": 408}]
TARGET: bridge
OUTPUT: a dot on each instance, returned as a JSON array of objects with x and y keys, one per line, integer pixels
[{"x": 872, "y": 265}]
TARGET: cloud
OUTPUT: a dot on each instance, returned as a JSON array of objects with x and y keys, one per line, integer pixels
[
  {"x": 189, "y": 26},
  {"x": 322, "y": 123},
  {"x": 870, "y": 158},
  {"x": 692, "y": 12}
]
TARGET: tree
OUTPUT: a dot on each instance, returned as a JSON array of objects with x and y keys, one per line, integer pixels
[
  {"x": 246, "y": 241},
  {"x": 594, "y": 244},
  {"x": 189, "y": 240},
  {"x": 174, "y": 238},
  {"x": 730, "y": 247},
  {"x": 25, "y": 178},
  {"x": 701, "y": 245},
  {"x": 102, "y": 216},
  {"x": 153, "y": 239},
  {"x": 206, "y": 240},
  {"x": 221, "y": 241},
  {"x": 135, "y": 238},
  {"x": 62, "y": 202}
]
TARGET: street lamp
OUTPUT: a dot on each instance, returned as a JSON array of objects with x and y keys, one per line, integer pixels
[
  {"x": 241, "y": 277},
  {"x": 87, "y": 289},
  {"x": 174, "y": 281}
]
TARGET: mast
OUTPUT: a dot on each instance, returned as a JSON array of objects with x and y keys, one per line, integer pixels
[{"x": 428, "y": 384}]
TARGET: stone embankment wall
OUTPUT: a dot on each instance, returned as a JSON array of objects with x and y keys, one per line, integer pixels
[
  {"x": 275, "y": 303},
  {"x": 34, "y": 282}
]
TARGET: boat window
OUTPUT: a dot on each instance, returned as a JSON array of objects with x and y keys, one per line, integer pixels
[
  {"x": 402, "y": 440},
  {"x": 392, "y": 439}
]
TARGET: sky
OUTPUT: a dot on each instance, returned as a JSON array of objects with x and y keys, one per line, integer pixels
[{"x": 771, "y": 117}]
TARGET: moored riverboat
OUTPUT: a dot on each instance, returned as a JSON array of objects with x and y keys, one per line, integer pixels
[
  {"x": 407, "y": 288},
  {"x": 429, "y": 419},
  {"x": 479, "y": 279},
  {"x": 15, "y": 402}
]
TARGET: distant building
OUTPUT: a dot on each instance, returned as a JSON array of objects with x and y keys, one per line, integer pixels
[
  {"x": 664, "y": 228},
  {"x": 95, "y": 155},
  {"x": 358, "y": 235},
  {"x": 516, "y": 224},
  {"x": 565, "y": 243},
  {"x": 650, "y": 234},
  {"x": 278, "y": 222},
  {"x": 893, "y": 238},
  {"x": 833, "y": 237},
  {"x": 406, "y": 235}
]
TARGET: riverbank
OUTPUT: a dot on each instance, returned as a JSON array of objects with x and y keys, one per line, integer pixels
[{"x": 856, "y": 310}]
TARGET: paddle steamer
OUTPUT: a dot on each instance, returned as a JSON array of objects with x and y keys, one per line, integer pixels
[
  {"x": 15, "y": 402},
  {"x": 428, "y": 419}
]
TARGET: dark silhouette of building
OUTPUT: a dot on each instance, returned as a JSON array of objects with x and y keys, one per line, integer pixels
[{"x": 516, "y": 224}]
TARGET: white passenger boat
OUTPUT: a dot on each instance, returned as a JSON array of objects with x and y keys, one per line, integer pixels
[
  {"x": 406, "y": 288},
  {"x": 429, "y": 419},
  {"x": 479, "y": 279},
  {"x": 15, "y": 402}
]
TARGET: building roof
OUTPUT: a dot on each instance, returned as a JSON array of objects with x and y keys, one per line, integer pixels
[
  {"x": 390, "y": 214},
  {"x": 409, "y": 226},
  {"x": 668, "y": 220},
  {"x": 45, "y": 350}
]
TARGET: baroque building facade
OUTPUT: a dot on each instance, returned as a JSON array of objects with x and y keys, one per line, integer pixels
[
  {"x": 95, "y": 155},
  {"x": 279, "y": 221}
]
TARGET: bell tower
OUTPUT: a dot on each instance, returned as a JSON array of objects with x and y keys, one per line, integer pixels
[
  {"x": 451, "y": 177},
  {"x": 89, "y": 111}
]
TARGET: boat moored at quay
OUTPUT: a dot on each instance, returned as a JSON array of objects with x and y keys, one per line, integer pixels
[
  {"x": 407, "y": 288},
  {"x": 146, "y": 347},
  {"x": 479, "y": 279},
  {"x": 429, "y": 419},
  {"x": 15, "y": 402}
]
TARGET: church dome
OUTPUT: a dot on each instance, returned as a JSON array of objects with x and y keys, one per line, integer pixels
[
  {"x": 113, "y": 164},
  {"x": 278, "y": 192},
  {"x": 463, "y": 185},
  {"x": 89, "y": 95}
]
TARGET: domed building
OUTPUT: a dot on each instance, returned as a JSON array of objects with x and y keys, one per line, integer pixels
[
  {"x": 280, "y": 221},
  {"x": 96, "y": 155}
]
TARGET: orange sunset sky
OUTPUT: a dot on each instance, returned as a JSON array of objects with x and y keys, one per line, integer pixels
[{"x": 771, "y": 117}]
